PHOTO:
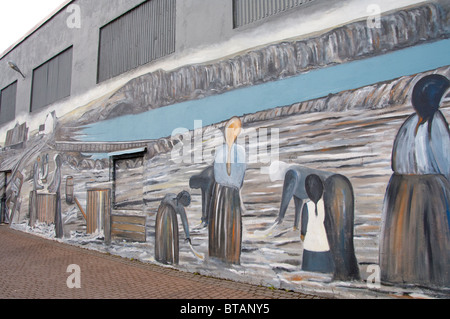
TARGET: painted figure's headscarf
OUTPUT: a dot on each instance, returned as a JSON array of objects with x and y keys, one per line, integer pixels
[{"x": 426, "y": 97}]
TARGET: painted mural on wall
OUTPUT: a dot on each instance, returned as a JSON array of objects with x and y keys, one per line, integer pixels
[
  {"x": 305, "y": 193},
  {"x": 415, "y": 243},
  {"x": 166, "y": 228}
]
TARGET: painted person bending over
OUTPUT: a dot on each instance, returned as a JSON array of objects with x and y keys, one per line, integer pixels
[{"x": 166, "y": 228}]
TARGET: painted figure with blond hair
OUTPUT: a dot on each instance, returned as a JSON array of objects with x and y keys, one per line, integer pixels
[{"x": 225, "y": 221}]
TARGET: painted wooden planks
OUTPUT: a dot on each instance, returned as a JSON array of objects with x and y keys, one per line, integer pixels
[
  {"x": 46, "y": 208},
  {"x": 98, "y": 210},
  {"x": 129, "y": 228}
]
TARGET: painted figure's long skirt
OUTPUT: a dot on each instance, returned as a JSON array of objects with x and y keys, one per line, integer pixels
[
  {"x": 317, "y": 261},
  {"x": 225, "y": 225},
  {"x": 415, "y": 242},
  {"x": 166, "y": 236}
]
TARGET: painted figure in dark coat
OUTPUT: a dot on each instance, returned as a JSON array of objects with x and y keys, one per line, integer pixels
[
  {"x": 415, "y": 240},
  {"x": 338, "y": 201},
  {"x": 294, "y": 187},
  {"x": 166, "y": 228},
  {"x": 205, "y": 182}
]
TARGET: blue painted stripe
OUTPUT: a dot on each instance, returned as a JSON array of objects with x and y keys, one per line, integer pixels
[{"x": 161, "y": 122}]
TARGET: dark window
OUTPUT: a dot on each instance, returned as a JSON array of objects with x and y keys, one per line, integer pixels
[
  {"x": 52, "y": 80},
  {"x": 8, "y": 103},
  {"x": 141, "y": 35},
  {"x": 249, "y": 11}
]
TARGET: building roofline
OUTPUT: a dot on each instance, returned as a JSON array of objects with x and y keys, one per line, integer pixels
[{"x": 36, "y": 28}]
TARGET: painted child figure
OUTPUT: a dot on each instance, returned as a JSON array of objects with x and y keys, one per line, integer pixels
[{"x": 316, "y": 250}]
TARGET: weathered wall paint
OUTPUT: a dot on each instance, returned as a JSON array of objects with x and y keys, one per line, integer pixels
[
  {"x": 288, "y": 59},
  {"x": 305, "y": 87},
  {"x": 348, "y": 134}
]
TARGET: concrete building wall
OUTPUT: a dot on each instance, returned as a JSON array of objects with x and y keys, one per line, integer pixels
[
  {"x": 53, "y": 37},
  {"x": 317, "y": 89},
  {"x": 204, "y": 32}
]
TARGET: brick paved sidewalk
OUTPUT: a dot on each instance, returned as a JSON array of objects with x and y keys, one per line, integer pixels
[{"x": 36, "y": 268}]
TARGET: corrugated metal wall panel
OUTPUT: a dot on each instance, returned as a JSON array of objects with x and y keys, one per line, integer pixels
[
  {"x": 142, "y": 35},
  {"x": 52, "y": 80},
  {"x": 249, "y": 11},
  {"x": 64, "y": 75},
  {"x": 8, "y": 103},
  {"x": 39, "y": 90}
]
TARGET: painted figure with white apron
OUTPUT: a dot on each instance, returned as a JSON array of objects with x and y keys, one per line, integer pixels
[{"x": 316, "y": 250}]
